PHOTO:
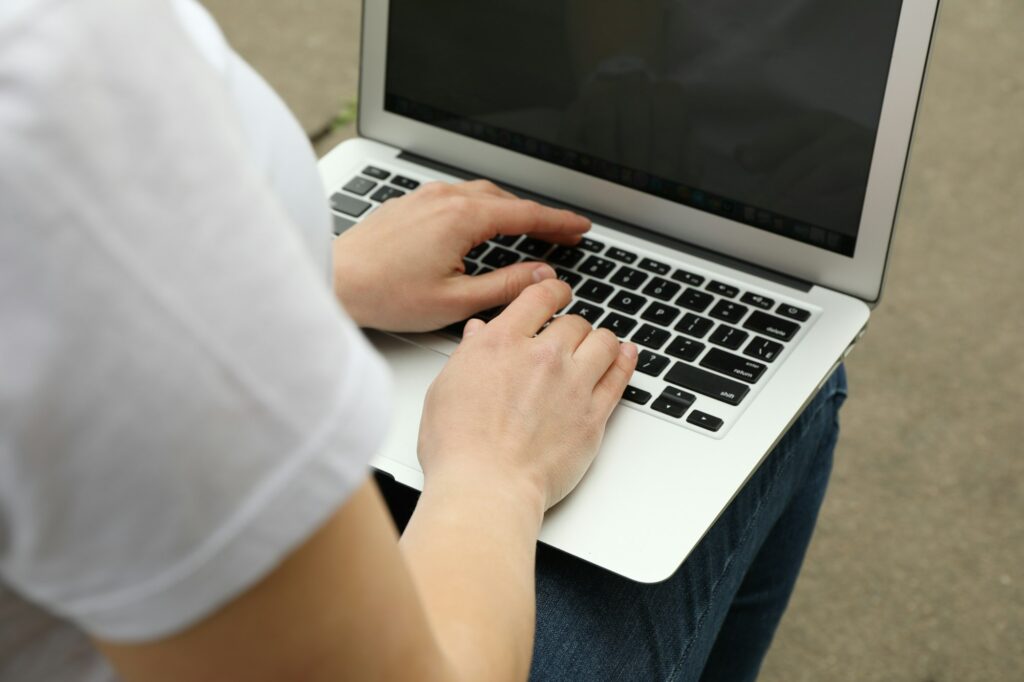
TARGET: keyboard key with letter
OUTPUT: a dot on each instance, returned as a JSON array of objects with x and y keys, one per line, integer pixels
[
  {"x": 662, "y": 314},
  {"x": 627, "y": 302},
  {"x": 769, "y": 325},
  {"x": 590, "y": 313},
  {"x": 733, "y": 365},
  {"x": 620, "y": 324},
  {"x": 706, "y": 383}
]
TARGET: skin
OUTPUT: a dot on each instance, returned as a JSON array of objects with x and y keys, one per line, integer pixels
[{"x": 509, "y": 427}]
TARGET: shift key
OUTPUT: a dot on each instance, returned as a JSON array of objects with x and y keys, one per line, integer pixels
[{"x": 706, "y": 383}]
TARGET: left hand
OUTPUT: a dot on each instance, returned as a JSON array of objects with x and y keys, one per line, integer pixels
[{"x": 401, "y": 268}]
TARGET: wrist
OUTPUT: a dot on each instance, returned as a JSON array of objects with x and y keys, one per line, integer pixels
[{"x": 495, "y": 490}]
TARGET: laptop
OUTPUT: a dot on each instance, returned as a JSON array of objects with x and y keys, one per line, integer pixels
[{"x": 742, "y": 165}]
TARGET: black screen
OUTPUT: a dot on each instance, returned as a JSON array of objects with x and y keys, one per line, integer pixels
[{"x": 762, "y": 112}]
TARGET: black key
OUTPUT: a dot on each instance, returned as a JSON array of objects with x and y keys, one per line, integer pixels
[
  {"x": 662, "y": 288},
  {"x": 763, "y": 349},
  {"x": 733, "y": 365},
  {"x": 595, "y": 291},
  {"x": 730, "y": 337},
  {"x": 673, "y": 402},
  {"x": 470, "y": 266},
  {"x": 343, "y": 203},
  {"x": 621, "y": 254},
  {"x": 635, "y": 395},
  {"x": 375, "y": 172},
  {"x": 591, "y": 245},
  {"x": 506, "y": 239},
  {"x": 570, "y": 278},
  {"x": 722, "y": 289},
  {"x": 729, "y": 311},
  {"x": 695, "y": 300},
  {"x": 620, "y": 324},
  {"x": 590, "y": 313},
  {"x": 684, "y": 348},
  {"x": 499, "y": 257},
  {"x": 793, "y": 313},
  {"x": 628, "y": 277},
  {"x": 758, "y": 301},
  {"x": 706, "y": 383},
  {"x": 694, "y": 325},
  {"x": 627, "y": 302},
  {"x": 649, "y": 336},
  {"x": 654, "y": 266},
  {"x": 651, "y": 363},
  {"x": 704, "y": 420},
  {"x": 565, "y": 255},
  {"x": 404, "y": 182},
  {"x": 772, "y": 326},
  {"x": 360, "y": 186},
  {"x": 341, "y": 224},
  {"x": 386, "y": 193},
  {"x": 477, "y": 251},
  {"x": 534, "y": 247},
  {"x": 597, "y": 267},
  {"x": 688, "y": 278},
  {"x": 662, "y": 314}
]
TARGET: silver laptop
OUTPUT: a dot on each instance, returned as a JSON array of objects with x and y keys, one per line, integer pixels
[{"x": 742, "y": 164}]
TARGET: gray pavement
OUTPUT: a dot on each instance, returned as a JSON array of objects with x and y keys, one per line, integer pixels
[{"x": 915, "y": 572}]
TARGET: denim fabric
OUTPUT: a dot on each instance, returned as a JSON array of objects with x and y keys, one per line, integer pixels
[{"x": 715, "y": 617}]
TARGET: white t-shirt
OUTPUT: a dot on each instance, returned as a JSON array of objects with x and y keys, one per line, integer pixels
[{"x": 182, "y": 401}]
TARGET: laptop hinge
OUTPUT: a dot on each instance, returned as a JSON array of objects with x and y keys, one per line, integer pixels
[{"x": 628, "y": 228}]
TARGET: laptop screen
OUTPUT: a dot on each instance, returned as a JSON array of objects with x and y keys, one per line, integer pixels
[{"x": 761, "y": 112}]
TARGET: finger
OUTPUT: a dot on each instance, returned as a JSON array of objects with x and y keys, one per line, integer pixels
[
  {"x": 568, "y": 331},
  {"x": 486, "y": 188},
  {"x": 609, "y": 389},
  {"x": 472, "y": 327},
  {"x": 596, "y": 354},
  {"x": 498, "y": 288},
  {"x": 517, "y": 216},
  {"x": 535, "y": 306}
]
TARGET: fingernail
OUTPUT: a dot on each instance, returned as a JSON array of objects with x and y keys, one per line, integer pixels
[
  {"x": 543, "y": 272},
  {"x": 629, "y": 350}
]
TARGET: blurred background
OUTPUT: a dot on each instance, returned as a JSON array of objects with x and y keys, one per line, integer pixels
[{"x": 916, "y": 572}]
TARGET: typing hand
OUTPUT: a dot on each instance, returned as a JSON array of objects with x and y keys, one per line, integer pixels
[
  {"x": 401, "y": 268},
  {"x": 522, "y": 411}
]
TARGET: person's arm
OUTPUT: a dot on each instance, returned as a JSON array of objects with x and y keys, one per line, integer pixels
[{"x": 509, "y": 428}]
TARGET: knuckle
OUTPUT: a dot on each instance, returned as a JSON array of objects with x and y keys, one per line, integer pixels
[
  {"x": 435, "y": 188},
  {"x": 546, "y": 352},
  {"x": 457, "y": 204},
  {"x": 544, "y": 295},
  {"x": 607, "y": 339}
]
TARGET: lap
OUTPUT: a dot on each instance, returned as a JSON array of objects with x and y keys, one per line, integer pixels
[{"x": 595, "y": 625}]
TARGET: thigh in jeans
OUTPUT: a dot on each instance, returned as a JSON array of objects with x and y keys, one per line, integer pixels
[{"x": 594, "y": 625}]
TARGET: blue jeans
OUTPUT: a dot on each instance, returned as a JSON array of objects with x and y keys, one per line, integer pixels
[{"x": 715, "y": 617}]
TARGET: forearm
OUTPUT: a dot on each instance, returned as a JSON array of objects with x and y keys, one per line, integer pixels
[{"x": 470, "y": 548}]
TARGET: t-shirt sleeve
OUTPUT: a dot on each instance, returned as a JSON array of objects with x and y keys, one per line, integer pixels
[{"x": 182, "y": 401}]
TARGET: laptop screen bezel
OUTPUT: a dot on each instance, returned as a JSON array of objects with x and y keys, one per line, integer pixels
[{"x": 860, "y": 275}]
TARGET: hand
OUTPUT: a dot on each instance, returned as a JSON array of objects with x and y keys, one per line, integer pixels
[
  {"x": 519, "y": 411},
  {"x": 401, "y": 268}
]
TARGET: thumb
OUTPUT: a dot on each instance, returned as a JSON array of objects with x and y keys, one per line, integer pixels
[{"x": 502, "y": 286}]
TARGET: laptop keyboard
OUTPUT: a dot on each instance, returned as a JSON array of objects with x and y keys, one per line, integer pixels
[{"x": 706, "y": 345}]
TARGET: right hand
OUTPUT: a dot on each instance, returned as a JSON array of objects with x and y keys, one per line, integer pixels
[{"x": 516, "y": 408}]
